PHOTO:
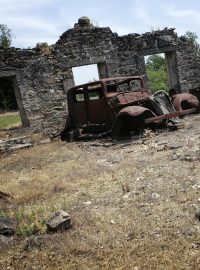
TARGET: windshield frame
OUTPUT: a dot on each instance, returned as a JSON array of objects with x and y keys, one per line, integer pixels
[{"x": 115, "y": 85}]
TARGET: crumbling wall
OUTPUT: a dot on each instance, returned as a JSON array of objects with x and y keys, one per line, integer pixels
[
  {"x": 188, "y": 67},
  {"x": 43, "y": 74},
  {"x": 86, "y": 44},
  {"x": 40, "y": 85}
]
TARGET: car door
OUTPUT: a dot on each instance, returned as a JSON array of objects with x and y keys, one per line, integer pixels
[{"x": 96, "y": 108}]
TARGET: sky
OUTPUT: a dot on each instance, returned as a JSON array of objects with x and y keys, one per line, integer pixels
[
  {"x": 85, "y": 74},
  {"x": 45, "y": 20}
]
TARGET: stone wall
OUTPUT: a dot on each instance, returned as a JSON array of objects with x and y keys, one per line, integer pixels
[
  {"x": 188, "y": 68},
  {"x": 43, "y": 75},
  {"x": 39, "y": 81}
]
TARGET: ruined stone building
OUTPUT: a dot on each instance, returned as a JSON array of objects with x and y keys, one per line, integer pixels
[{"x": 41, "y": 76}]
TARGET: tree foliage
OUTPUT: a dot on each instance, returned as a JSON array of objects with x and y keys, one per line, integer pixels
[
  {"x": 156, "y": 65},
  {"x": 192, "y": 39},
  {"x": 5, "y": 36},
  {"x": 157, "y": 73}
]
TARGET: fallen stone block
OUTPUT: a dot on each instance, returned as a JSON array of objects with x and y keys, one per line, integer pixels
[
  {"x": 8, "y": 226},
  {"x": 59, "y": 221}
]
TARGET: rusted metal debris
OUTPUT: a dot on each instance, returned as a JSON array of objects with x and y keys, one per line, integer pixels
[{"x": 122, "y": 104}]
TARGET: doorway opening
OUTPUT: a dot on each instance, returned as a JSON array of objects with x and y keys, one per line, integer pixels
[
  {"x": 157, "y": 74},
  {"x": 12, "y": 114}
]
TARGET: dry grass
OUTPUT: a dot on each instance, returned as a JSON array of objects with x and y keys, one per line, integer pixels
[{"x": 141, "y": 214}]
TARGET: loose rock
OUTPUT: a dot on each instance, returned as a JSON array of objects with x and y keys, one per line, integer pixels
[
  {"x": 5, "y": 241},
  {"x": 5, "y": 196},
  {"x": 41, "y": 241},
  {"x": 8, "y": 226},
  {"x": 191, "y": 155},
  {"x": 175, "y": 145},
  {"x": 59, "y": 221},
  {"x": 87, "y": 203},
  {"x": 197, "y": 215}
]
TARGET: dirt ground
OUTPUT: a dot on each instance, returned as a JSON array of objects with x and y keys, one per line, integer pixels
[{"x": 132, "y": 202}]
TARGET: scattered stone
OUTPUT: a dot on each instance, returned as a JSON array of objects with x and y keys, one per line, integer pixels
[
  {"x": 196, "y": 186},
  {"x": 135, "y": 192},
  {"x": 175, "y": 145},
  {"x": 125, "y": 188},
  {"x": 196, "y": 245},
  {"x": 174, "y": 156},
  {"x": 110, "y": 160},
  {"x": 40, "y": 241},
  {"x": 20, "y": 146},
  {"x": 16, "y": 143},
  {"x": 162, "y": 142},
  {"x": 126, "y": 196},
  {"x": 87, "y": 203},
  {"x": 129, "y": 236},
  {"x": 59, "y": 221},
  {"x": 140, "y": 178},
  {"x": 191, "y": 155},
  {"x": 5, "y": 196},
  {"x": 45, "y": 141},
  {"x": 5, "y": 241},
  {"x": 102, "y": 144},
  {"x": 8, "y": 226},
  {"x": 155, "y": 195},
  {"x": 197, "y": 215},
  {"x": 160, "y": 147},
  {"x": 188, "y": 232}
]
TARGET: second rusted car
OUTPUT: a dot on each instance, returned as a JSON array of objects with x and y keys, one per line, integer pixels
[{"x": 122, "y": 104}]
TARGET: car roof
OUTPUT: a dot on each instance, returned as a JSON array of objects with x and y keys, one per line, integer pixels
[{"x": 106, "y": 80}]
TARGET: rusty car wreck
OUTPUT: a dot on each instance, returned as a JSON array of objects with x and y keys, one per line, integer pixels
[{"x": 121, "y": 105}]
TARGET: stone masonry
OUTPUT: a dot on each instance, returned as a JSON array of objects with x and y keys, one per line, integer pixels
[{"x": 41, "y": 76}]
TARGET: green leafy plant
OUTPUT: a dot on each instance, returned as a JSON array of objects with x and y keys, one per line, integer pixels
[
  {"x": 157, "y": 73},
  {"x": 28, "y": 223}
]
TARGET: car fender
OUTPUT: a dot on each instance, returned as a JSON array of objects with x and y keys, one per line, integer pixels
[
  {"x": 131, "y": 118},
  {"x": 134, "y": 111},
  {"x": 185, "y": 101}
]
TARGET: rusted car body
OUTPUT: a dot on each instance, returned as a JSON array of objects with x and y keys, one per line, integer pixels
[{"x": 122, "y": 104}]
